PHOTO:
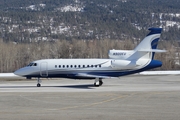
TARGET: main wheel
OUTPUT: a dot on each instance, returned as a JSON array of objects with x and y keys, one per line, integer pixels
[
  {"x": 95, "y": 85},
  {"x": 38, "y": 85}
]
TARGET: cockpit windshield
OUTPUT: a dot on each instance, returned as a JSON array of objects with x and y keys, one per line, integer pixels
[{"x": 32, "y": 64}]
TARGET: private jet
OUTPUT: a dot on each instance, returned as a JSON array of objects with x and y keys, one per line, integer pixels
[{"x": 119, "y": 63}]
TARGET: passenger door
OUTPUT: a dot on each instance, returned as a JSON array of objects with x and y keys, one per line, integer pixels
[{"x": 44, "y": 69}]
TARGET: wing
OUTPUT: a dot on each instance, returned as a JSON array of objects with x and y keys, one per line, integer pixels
[{"x": 92, "y": 76}]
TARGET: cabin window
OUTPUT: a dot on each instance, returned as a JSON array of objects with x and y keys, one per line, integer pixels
[
  {"x": 71, "y": 66},
  {"x": 55, "y": 66},
  {"x": 59, "y": 66},
  {"x": 92, "y": 66},
  {"x": 99, "y": 65},
  {"x": 30, "y": 64},
  {"x": 87, "y": 65},
  {"x": 83, "y": 66},
  {"x": 63, "y": 66},
  {"x": 75, "y": 66},
  {"x": 79, "y": 66},
  {"x": 67, "y": 66},
  {"x": 96, "y": 66}
]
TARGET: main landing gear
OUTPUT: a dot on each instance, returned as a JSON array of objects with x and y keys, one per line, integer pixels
[
  {"x": 38, "y": 82},
  {"x": 98, "y": 82}
]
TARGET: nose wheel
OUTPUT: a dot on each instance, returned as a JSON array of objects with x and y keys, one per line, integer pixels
[
  {"x": 38, "y": 82},
  {"x": 38, "y": 85}
]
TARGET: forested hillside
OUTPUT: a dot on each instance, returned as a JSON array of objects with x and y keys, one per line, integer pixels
[{"x": 51, "y": 20}]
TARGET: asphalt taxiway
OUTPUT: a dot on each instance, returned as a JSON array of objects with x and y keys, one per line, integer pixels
[{"x": 129, "y": 98}]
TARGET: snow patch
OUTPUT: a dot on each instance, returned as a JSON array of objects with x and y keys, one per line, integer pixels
[{"x": 71, "y": 8}]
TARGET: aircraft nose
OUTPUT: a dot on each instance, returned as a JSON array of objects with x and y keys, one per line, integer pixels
[
  {"x": 20, "y": 72},
  {"x": 17, "y": 72}
]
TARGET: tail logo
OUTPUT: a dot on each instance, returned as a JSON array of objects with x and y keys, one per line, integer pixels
[{"x": 154, "y": 43}]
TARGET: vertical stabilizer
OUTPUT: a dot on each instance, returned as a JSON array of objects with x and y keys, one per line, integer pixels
[{"x": 150, "y": 42}]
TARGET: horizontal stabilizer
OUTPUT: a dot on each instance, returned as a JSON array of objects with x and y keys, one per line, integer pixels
[{"x": 152, "y": 50}]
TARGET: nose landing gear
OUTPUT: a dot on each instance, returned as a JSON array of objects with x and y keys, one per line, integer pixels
[{"x": 38, "y": 82}]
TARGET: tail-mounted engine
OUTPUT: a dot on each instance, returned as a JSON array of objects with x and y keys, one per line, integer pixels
[{"x": 123, "y": 64}]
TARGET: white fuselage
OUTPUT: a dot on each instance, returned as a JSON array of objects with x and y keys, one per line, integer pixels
[{"x": 74, "y": 68}]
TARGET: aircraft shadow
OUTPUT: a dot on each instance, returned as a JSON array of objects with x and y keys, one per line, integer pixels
[{"x": 86, "y": 86}]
